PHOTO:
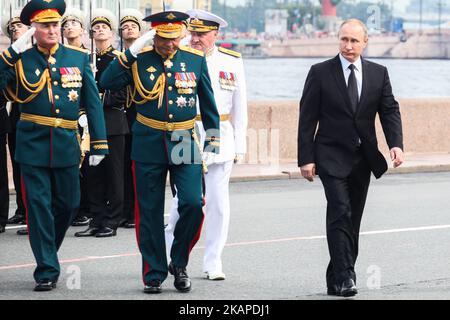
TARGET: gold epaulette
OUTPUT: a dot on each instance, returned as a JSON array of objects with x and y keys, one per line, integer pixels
[
  {"x": 76, "y": 48},
  {"x": 146, "y": 49},
  {"x": 230, "y": 52},
  {"x": 191, "y": 50}
]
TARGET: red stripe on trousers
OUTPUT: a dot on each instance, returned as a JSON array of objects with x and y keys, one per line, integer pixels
[
  {"x": 137, "y": 218},
  {"x": 197, "y": 236},
  {"x": 24, "y": 199}
]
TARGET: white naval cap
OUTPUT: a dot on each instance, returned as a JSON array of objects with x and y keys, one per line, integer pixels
[
  {"x": 105, "y": 16},
  {"x": 74, "y": 14},
  {"x": 7, "y": 21},
  {"x": 204, "y": 21},
  {"x": 130, "y": 14}
]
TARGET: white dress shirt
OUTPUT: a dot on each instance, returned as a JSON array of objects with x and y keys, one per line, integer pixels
[{"x": 358, "y": 72}]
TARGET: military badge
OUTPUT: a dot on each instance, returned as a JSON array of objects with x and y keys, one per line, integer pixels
[
  {"x": 168, "y": 64},
  {"x": 73, "y": 96},
  {"x": 71, "y": 77},
  {"x": 185, "y": 82},
  {"x": 181, "y": 102},
  {"x": 192, "y": 102},
  {"x": 227, "y": 80}
]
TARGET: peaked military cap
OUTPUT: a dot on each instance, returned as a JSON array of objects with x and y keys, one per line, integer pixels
[
  {"x": 43, "y": 11},
  {"x": 133, "y": 15},
  {"x": 105, "y": 16},
  {"x": 204, "y": 21},
  {"x": 168, "y": 24},
  {"x": 73, "y": 14},
  {"x": 7, "y": 22}
]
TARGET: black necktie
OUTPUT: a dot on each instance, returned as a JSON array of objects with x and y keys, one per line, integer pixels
[{"x": 353, "y": 88}]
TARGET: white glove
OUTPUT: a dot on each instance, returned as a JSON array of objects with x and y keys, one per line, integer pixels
[
  {"x": 208, "y": 158},
  {"x": 141, "y": 42},
  {"x": 21, "y": 44},
  {"x": 95, "y": 160},
  {"x": 82, "y": 121},
  {"x": 239, "y": 158}
]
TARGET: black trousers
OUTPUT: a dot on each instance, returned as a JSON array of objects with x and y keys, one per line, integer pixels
[
  {"x": 128, "y": 206},
  {"x": 106, "y": 186},
  {"x": 16, "y": 175},
  {"x": 346, "y": 199},
  {"x": 4, "y": 189},
  {"x": 84, "y": 209}
]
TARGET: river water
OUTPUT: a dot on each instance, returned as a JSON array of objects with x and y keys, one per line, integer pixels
[{"x": 283, "y": 79}]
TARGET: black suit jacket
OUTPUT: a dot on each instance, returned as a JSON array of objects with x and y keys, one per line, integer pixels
[{"x": 325, "y": 103}]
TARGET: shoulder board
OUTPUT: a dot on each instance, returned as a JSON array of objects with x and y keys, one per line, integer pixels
[
  {"x": 230, "y": 52},
  {"x": 191, "y": 50},
  {"x": 76, "y": 48},
  {"x": 116, "y": 52},
  {"x": 146, "y": 49}
]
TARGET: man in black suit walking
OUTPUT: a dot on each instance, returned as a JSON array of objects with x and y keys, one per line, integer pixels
[{"x": 341, "y": 97}]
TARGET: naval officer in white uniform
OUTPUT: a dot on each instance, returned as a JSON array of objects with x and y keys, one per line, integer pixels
[{"x": 226, "y": 70}]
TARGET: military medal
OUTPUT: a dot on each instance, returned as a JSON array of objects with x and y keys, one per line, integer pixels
[
  {"x": 168, "y": 64},
  {"x": 181, "y": 102},
  {"x": 192, "y": 102},
  {"x": 227, "y": 80},
  {"x": 183, "y": 66},
  {"x": 73, "y": 96},
  {"x": 51, "y": 60}
]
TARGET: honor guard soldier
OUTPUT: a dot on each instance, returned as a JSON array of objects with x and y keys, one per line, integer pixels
[
  {"x": 14, "y": 28},
  {"x": 50, "y": 82},
  {"x": 106, "y": 191},
  {"x": 164, "y": 82},
  {"x": 131, "y": 26},
  {"x": 226, "y": 70},
  {"x": 73, "y": 25}
]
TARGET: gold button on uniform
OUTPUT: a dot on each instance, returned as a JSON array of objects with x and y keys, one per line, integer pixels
[
  {"x": 57, "y": 97},
  {"x": 170, "y": 116},
  {"x": 170, "y": 88},
  {"x": 54, "y": 69},
  {"x": 57, "y": 111},
  {"x": 169, "y": 75},
  {"x": 55, "y": 83},
  {"x": 170, "y": 102}
]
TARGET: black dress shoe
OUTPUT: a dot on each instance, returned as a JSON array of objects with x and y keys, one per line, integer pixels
[
  {"x": 348, "y": 288},
  {"x": 129, "y": 225},
  {"x": 106, "y": 232},
  {"x": 89, "y": 232},
  {"x": 333, "y": 290},
  {"x": 81, "y": 221},
  {"x": 16, "y": 219},
  {"x": 154, "y": 286},
  {"x": 2, "y": 229},
  {"x": 182, "y": 282},
  {"x": 22, "y": 232},
  {"x": 45, "y": 285}
]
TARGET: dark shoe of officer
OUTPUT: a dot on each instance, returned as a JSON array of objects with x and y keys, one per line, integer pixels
[
  {"x": 2, "y": 229},
  {"x": 348, "y": 288},
  {"x": 16, "y": 219},
  {"x": 89, "y": 232},
  {"x": 333, "y": 290},
  {"x": 129, "y": 225},
  {"x": 45, "y": 285},
  {"x": 106, "y": 232},
  {"x": 81, "y": 221},
  {"x": 182, "y": 282},
  {"x": 22, "y": 232},
  {"x": 154, "y": 286}
]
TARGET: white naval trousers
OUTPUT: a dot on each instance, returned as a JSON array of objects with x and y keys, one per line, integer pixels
[{"x": 217, "y": 216}]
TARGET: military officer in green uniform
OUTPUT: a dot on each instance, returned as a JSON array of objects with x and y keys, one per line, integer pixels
[
  {"x": 164, "y": 82},
  {"x": 50, "y": 82}
]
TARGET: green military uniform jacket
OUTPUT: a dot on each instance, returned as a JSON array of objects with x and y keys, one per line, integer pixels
[
  {"x": 166, "y": 91},
  {"x": 54, "y": 87}
]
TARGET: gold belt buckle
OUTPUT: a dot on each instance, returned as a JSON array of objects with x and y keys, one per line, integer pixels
[
  {"x": 170, "y": 126},
  {"x": 58, "y": 122}
]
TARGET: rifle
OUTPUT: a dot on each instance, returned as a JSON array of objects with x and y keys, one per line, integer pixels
[
  {"x": 91, "y": 33},
  {"x": 120, "y": 31}
]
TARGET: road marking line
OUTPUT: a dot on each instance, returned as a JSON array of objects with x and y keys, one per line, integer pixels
[{"x": 236, "y": 244}]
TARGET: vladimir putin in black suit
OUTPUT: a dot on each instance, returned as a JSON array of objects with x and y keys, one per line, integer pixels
[{"x": 342, "y": 97}]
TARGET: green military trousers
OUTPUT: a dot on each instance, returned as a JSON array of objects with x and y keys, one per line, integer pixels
[
  {"x": 51, "y": 197},
  {"x": 150, "y": 183}
]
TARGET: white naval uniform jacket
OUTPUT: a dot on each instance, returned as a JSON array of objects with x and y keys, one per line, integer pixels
[{"x": 230, "y": 100}]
